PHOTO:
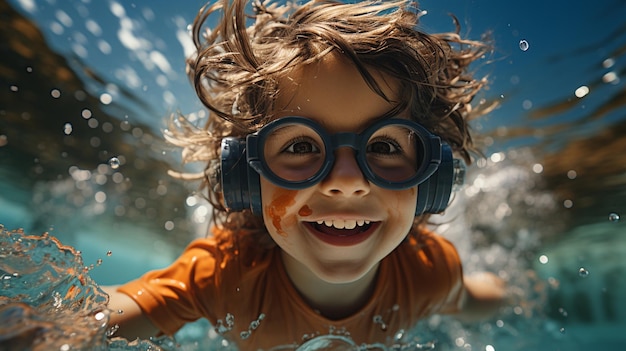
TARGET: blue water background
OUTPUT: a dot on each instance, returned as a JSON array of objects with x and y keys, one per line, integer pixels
[{"x": 134, "y": 53}]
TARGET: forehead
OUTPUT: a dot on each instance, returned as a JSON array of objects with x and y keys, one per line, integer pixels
[{"x": 334, "y": 93}]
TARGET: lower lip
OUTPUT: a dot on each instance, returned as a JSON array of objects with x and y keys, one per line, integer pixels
[{"x": 343, "y": 240}]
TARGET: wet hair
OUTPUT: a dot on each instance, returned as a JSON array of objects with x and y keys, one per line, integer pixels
[{"x": 240, "y": 60}]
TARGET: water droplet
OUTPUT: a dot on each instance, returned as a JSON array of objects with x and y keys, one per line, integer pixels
[
  {"x": 583, "y": 272},
  {"x": 581, "y": 91},
  {"x": 86, "y": 113},
  {"x": 571, "y": 174},
  {"x": 114, "y": 162},
  {"x": 399, "y": 335},
  {"x": 379, "y": 320},
  {"x": 523, "y": 45},
  {"x": 613, "y": 217},
  {"x": 112, "y": 330},
  {"x": 230, "y": 320},
  {"x": 106, "y": 98}
]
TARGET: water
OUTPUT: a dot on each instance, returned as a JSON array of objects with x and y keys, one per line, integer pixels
[{"x": 87, "y": 86}]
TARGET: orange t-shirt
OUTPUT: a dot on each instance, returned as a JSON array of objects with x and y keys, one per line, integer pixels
[{"x": 255, "y": 299}]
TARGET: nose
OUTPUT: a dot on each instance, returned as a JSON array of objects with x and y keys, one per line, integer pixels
[{"x": 345, "y": 178}]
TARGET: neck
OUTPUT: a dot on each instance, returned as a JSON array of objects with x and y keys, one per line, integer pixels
[{"x": 333, "y": 300}]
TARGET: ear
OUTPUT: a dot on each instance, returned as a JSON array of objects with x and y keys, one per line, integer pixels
[
  {"x": 241, "y": 185},
  {"x": 433, "y": 195}
]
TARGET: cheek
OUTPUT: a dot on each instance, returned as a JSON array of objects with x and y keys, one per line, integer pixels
[
  {"x": 402, "y": 203},
  {"x": 275, "y": 212}
]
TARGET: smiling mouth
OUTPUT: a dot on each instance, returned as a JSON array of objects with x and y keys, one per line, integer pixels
[
  {"x": 342, "y": 233},
  {"x": 341, "y": 227}
]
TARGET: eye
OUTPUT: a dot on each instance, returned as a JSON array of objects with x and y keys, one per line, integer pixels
[
  {"x": 301, "y": 146},
  {"x": 384, "y": 147}
]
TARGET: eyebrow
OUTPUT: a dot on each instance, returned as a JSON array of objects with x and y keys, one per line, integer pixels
[{"x": 366, "y": 122}]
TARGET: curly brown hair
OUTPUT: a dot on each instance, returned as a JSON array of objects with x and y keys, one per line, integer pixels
[{"x": 240, "y": 60}]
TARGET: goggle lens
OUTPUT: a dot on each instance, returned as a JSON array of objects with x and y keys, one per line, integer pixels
[
  {"x": 294, "y": 152},
  {"x": 392, "y": 153}
]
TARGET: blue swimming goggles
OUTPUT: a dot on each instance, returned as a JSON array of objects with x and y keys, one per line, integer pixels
[{"x": 297, "y": 153}]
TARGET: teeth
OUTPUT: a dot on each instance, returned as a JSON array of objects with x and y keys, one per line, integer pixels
[{"x": 343, "y": 224}]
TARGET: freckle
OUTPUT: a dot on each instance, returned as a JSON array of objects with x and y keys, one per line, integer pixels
[
  {"x": 278, "y": 207},
  {"x": 305, "y": 211}
]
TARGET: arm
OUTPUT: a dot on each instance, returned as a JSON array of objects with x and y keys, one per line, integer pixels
[
  {"x": 484, "y": 294},
  {"x": 132, "y": 322}
]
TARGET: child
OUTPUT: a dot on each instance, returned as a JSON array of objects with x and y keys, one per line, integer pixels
[{"x": 324, "y": 157}]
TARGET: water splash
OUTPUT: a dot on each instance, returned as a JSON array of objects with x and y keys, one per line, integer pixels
[
  {"x": 46, "y": 296},
  {"x": 49, "y": 302}
]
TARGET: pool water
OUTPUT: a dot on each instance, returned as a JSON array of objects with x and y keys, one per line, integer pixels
[{"x": 88, "y": 87}]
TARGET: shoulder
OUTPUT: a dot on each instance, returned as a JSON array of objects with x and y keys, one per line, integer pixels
[
  {"x": 426, "y": 256},
  {"x": 431, "y": 249},
  {"x": 431, "y": 271},
  {"x": 226, "y": 247}
]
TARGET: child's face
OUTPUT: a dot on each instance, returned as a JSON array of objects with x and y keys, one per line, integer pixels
[{"x": 335, "y": 95}]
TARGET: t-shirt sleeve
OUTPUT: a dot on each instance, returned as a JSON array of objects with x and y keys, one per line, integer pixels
[
  {"x": 443, "y": 269},
  {"x": 454, "y": 300},
  {"x": 169, "y": 296}
]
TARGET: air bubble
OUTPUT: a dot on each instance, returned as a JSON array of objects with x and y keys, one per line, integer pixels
[
  {"x": 378, "y": 319},
  {"x": 613, "y": 217},
  {"x": 114, "y": 162},
  {"x": 67, "y": 128},
  {"x": 583, "y": 272},
  {"x": 109, "y": 253},
  {"x": 523, "y": 45}
]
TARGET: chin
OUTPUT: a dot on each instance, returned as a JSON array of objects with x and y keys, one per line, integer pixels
[{"x": 344, "y": 273}]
